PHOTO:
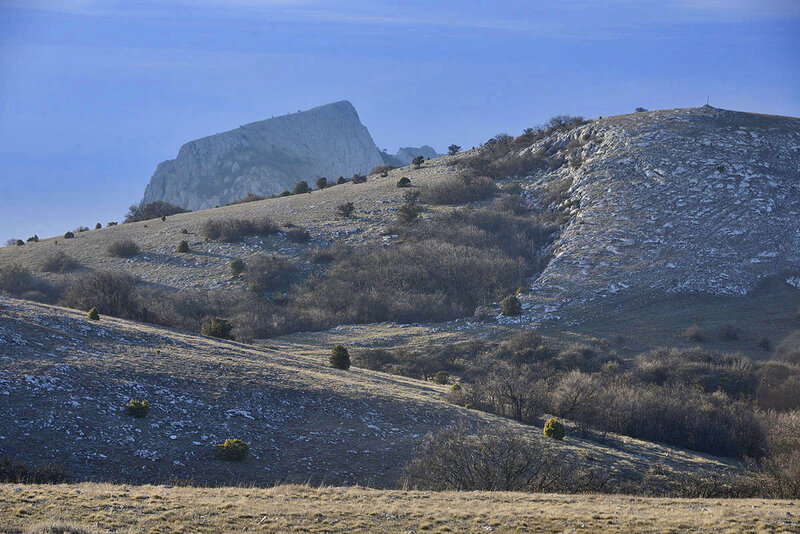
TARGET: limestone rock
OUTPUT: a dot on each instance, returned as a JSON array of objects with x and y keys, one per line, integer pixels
[{"x": 266, "y": 157}]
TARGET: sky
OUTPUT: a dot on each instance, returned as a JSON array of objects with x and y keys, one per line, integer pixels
[{"x": 95, "y": 93}]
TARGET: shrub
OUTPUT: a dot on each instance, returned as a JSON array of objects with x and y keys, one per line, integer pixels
[
  {"x": 359, "y": 178},
  {"x": 183, "y": 246},
  {"x": 20, "y": 242},
  {"x": 251, "y": 197},
  {"x": 123, "y": 248},
  {"x": 418, "y": 161},
  {"x": 137, "y": 408},
  {"x": 237, "y": 267},
  {"x": 68, "y": 235},
  {"x": 301, "y": 187},
  {"x": 152, "y": 210},
  {"x": 34, "y": 239},
  {"x": 98, "y": 226},
  {"x": 554, "y": 429},
  {"x": 58, "y": 262},
  {"x": 340, "y": 357},
  {"x": 217, "y": 327},
  {"x": 94, "y": 315},
  {"x": 266, "y": 272},
  {"x": 82, "y": 229},
  {"x": 383, "y": 170},
  {"x": 729, "y": 332},
  {"x": 459, "y": 189},
  {"x": 21, "y": 473},
  {"x": 459, "y": 458},
  {"x": 112, "y": 223},
  {"x": 114, "y": 292},
  {"x": 341, "y": 180},
  {"x": 403, "y": 182},
  {"x": 694, "y": 333},
  {"x": 441, "y": 377},
  {"x": 230, "y": 230},
  {"x": 232, "y": 450},
  {"x": 511, "y": 306},
  {"x": 322, "y": 182},
  {"x": 298, "y": 235},
  {"x": 345, "y": 210},
  {"x": 453, "y": 149}
]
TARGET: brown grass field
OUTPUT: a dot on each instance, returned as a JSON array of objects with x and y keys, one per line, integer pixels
[{"x": 90, "y": 508}]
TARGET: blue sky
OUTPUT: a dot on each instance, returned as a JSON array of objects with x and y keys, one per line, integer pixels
[{"x": 95, "y": 93}]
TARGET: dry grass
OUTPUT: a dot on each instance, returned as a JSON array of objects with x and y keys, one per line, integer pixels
[{"x": 105, "y": 507}]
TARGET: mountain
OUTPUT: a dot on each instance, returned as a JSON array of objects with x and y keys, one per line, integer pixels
[
  {"x": 408, "y": 153},
  {"x": 266, "y": 157}
]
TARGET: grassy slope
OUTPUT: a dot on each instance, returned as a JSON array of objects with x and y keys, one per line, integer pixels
[
  {"x": 64, "y": 380},
  {"x": 103, "y": 507}
]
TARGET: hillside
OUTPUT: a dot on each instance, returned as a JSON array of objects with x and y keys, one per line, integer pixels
[
  {"x": 674, "y": 213},
  {"x": 65, "y": 380},
  {"x": 103, "y": 507}
]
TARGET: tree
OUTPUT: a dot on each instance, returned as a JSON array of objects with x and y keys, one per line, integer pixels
[
  {"x": 418, "y": 161},
  {"x": 301, "y": 187},
  {"x": 152, "y": 210},
  {"x": 340, "y": 357},
  {"x": 322, "y": 182},
  {"x": 453, "y": 149},
  {"x": 640, "y": 110}
]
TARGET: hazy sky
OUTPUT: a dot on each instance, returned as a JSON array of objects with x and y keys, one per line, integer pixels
[{"x": 95, "y": 93}]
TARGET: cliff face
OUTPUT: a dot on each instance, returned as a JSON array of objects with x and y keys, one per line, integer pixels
[
  {"x": 266, "y": 157},
  {"x": 686, "y": 200}
]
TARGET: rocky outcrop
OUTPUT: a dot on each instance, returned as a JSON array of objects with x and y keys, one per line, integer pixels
[
  {"x": 266, "y": 157},
  {"x": 685, "y": 200}
]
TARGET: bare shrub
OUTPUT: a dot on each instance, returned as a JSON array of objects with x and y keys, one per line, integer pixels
[
  {"x": 381, "y": 169},
  {"x": 268, "y": 271},
  {"x": 111, "y": 292},
  {"x": 694, "y": 333},
  {"x": 459, "y": 189},
  {"x": 123, "y": 248},
  {"x": 457, "y": 459},
  {"x": 298, "y": 235},
  {"x": 18, "y": 281},
  {"x": 251, "y": 197},
  {"x": 230, "y": 230},
  {"x": 58, "y": 262},
  {"x": 153, "y": 210}
]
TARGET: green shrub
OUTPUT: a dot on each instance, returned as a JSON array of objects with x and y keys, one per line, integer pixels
[
  {"x": 94, "y": 315},
  {"x": 345, "y": 210},
  {"x": 456, "y": 387},
  {"x": 359, "y": 178},
  {"x": 98, "y": 226},
  {"x": 237, "y": 267},
  {"x": 301, "y": 187},
  {"x": 403, "y": 182},
  {"x": 137, "y": 408},
  {"x": 441, "y": 377},
  {"x": 341, "y": 180},
  {"x": 232, "y": 450},
  {"x": 418, "y": 161},
  {"x": 511, "y": 306},
  {"x": 340, "y": 357},
  {"x": 217, "y": 327},
  {"x": 34, "y": 239},
  {"x": 123, "y": 248},
  {"x": 554, "y": 429},
  {"x": 68, "y": 235},
  {"x": 322, "y": 182},
  {"x": 453, "y": 149},
  {"x": 20, "y": 242},
  {"x": 183, "y": 246}
]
